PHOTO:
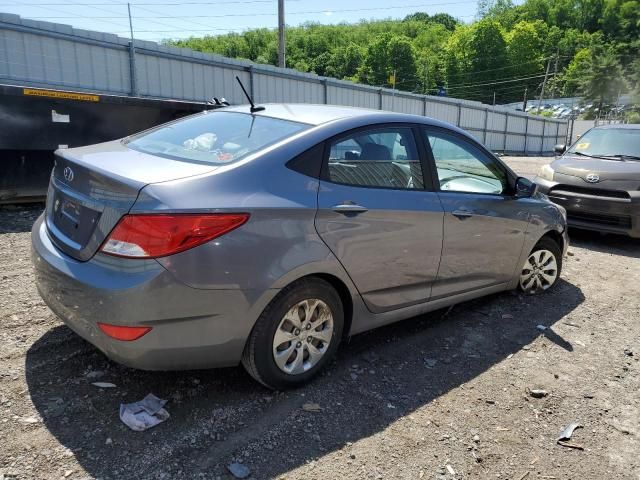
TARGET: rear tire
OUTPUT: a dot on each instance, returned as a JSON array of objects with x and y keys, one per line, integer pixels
[
  {"x": 296, "y": 335},
  {"x": 542, "y": 268}
]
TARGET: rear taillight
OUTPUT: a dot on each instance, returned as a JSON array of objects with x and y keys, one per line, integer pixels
[
  {"x": 123, "y": 332},
  {"x": 159, "y": 235}
]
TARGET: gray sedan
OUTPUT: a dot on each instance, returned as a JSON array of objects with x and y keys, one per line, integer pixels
[{"x": 264, "y": 238}]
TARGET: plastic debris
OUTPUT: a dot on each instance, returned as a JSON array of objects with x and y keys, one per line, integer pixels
[
  {"x": 239, "y": 470},
  {"x": 568, "y": 431},
  {"x": 29, "y": 420},
  {"x": 451, "y": 470},
  {"x": 311, "y": 407},
  {"x": 104, "y": 385},
  {"x": 566, "y": 434},
  {"x": 142, "y": 415},
  {"x": 542, "y": 328},
  {"x": 628, "y": 352}
]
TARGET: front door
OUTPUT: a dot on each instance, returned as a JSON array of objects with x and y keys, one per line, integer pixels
[
  {"x": 484, "y": 225},
  {"x": 378, "y": 219}
]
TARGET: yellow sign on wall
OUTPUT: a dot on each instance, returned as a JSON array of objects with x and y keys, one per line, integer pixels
[{"x": 84, "y": 97}]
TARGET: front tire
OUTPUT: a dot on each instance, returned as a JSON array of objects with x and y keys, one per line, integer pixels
[
  {"x": 542, "y": 267},
  {"x": 296, "y": 335}
]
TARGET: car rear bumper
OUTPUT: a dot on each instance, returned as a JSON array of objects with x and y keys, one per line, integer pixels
[
  {"x": 596, "y": 212},
  {"x": 191, "y": 328}
]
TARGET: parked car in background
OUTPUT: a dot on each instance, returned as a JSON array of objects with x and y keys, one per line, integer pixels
[
  {"x": 264, "y": 237},
  {"x": 597, "y": 180}
]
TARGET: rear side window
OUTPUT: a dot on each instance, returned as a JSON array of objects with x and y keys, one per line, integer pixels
[
  {"x": 381, "y": 157},
  {"x": 214, "y": 137}
]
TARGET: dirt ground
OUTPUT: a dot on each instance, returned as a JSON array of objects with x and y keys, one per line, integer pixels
[{"x": 442, "y": 396}]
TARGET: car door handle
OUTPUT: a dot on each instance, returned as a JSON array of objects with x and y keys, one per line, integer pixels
[
  {"x": 349, "y": 208},
  {"x": 462, "y": 213}
]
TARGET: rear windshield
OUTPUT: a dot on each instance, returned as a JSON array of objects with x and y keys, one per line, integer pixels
[
  {"x": 609, "y": 141},
  {"x": 213, "y": 137}
]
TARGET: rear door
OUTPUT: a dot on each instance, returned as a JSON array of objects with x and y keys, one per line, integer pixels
[
  {"x": 484, "y": 224},
  {"x": 377, "y": 217}
]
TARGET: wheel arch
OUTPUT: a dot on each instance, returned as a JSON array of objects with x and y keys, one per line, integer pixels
[
  {"x": 345, "y": 297},
  {"x": 556, "y": 237}
]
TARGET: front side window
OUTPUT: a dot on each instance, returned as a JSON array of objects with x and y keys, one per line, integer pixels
[
  {"x": 463, "y": 168},
  {"x": 215, "y": 138},
  {"x": 381, "y": 157}
]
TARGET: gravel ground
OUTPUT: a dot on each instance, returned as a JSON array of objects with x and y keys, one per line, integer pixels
[{"x": 442, "y": 396}]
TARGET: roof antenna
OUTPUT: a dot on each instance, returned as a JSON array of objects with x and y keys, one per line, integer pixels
[{"x": 253, "y": 108}]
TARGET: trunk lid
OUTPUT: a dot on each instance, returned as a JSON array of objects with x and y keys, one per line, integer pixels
[{"x": 92, "y": 187}]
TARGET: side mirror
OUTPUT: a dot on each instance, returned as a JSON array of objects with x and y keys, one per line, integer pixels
[
  {"x": 560, "y": 148},
  {"x": 525, "y": 188}
]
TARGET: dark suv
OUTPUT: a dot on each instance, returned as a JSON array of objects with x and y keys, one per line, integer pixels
[{"x": 597, "y": 180}]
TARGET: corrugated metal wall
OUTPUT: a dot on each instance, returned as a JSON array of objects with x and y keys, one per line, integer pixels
[{"x": 43, "y": 54}]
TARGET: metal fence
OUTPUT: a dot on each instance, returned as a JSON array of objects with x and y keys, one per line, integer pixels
[{"x": 44, "y": 54}]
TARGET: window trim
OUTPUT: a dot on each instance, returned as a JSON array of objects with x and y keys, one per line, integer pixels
[
  {"x": 508, "y": 192},
  {"x": 427, "y": 179}
]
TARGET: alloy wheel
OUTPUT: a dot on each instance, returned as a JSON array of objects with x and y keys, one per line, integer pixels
[
  {"x": 303, "y": 336},
  {"x": 540, "y": 271}
]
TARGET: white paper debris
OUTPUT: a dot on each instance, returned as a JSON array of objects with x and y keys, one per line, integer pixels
[{"x": 142, "y": 415}]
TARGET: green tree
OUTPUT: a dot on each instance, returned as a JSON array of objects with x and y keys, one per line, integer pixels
[
  {"x": 494, "y": 8},
  {"x": 444, "y": 19},
  {"x": 344, "y": 62},
  {"x": 386, "y": 54},
  {"x": 472, "y": 60},
  {"x": 603, "y": 80},
  {"x": 576, "y": 72}
]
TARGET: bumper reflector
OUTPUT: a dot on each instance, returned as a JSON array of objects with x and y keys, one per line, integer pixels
[{"x": 124, "y": 333}]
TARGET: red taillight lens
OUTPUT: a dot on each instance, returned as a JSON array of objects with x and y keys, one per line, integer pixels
[
  {"x": 159, "y": 235},
  {"x": 124, "y": 333}
]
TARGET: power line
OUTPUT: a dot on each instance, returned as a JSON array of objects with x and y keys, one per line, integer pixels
[
  {"x": 462, "y": 86},
  {"x": 497, "y": 68},
  {"x": 166, "y": 24},
  {"x": 82, "y": 16},
  {"x": 272, "y": 14},
  {"x": 174, "y": 4},
  {"x": 489, "y": 92},
  {"x": 111, "y": 4}
]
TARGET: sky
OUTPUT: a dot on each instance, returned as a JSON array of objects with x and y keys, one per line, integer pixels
[{"x": 161, "y": 19}]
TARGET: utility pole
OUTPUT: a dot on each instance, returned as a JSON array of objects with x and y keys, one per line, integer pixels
[
  {"x": 426, "y": 77},
  {"x": 281, "y": 42},
  {"x": 555, "y": 72},
  {"x": 132, "y": 57},
  {"x": 544, "y": 83},
  {"x": 524, "y": 102}
]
